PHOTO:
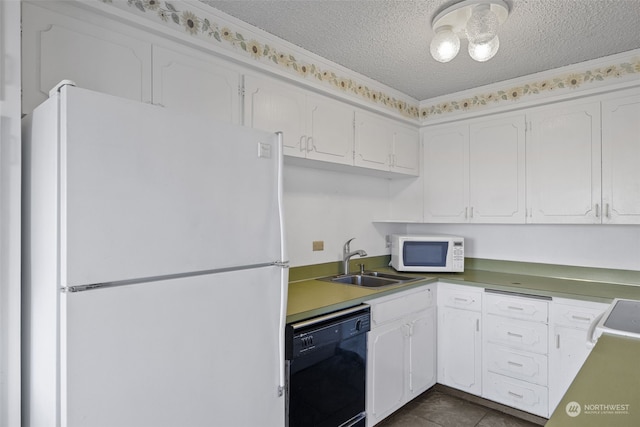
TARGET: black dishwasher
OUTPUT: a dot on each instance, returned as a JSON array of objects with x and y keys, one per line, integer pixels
[{"x": 326, "y": 369}]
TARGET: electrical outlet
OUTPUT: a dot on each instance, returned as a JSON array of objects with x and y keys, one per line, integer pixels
[{"x": 318, "y": 245}]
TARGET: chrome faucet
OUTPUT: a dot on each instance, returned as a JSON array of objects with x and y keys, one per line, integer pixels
[{"x": 347, "y": 254}]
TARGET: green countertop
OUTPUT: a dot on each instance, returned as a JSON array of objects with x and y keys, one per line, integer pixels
[
  {"x": 606, "y": 391},
  {"x": 311, "y": 297}
]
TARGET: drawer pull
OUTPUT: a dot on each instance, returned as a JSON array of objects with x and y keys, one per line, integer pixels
[
  {"x": 513, "y": 307},
  {"x": 581, "y": 318},
  {"x": 460, "y": 299},
  {"x": 519, "y": 396},
  {"x": 519, "y": 365},
  {"x": 513, "y": 334}
]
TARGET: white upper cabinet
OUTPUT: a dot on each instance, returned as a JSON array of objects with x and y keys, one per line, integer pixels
[
  {"x": 373, "y": 142},
  {"x": 277, "y": 107},
  {"x": 497, "y": 170},
  {"x": 406, "y": 150},
  {"x": 385, "y": 145},
  {"x": 56, "y": 47},
  {"x": 313, "y": 126},
  {"x": 329, "y": 130},
  {"x": 620, "y": 159},
  {"x": 194, "y": 82},
  {"x": 446, "y": 173},
  {"x": 563, "y": 164},
  {"x": 475, "y": 171}
]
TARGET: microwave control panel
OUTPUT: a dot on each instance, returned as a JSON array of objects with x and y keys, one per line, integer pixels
[{"x": 458, "y": 255}]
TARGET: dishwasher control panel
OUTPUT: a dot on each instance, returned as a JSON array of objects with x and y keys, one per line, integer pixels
[{"x": 324, "y": 333}]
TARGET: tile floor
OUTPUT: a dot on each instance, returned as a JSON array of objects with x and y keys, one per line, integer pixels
[{"x": 435, "y": 408}]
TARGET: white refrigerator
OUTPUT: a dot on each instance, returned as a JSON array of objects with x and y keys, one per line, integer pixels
[{"x": 155, "y": 270}]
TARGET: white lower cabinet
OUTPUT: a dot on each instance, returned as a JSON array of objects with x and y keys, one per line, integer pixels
[
  {"x": 401, "y": 354},
  {"x": 520, "y": 351},
  {"x": 460, "y": 337},
  {"x": 519, "y": 394},
  {"x": 515, "y": 352},
  {"x": 568, "y": 349}
]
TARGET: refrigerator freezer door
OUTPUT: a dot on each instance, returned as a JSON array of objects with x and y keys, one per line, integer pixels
[
  {"x": 147, "y": 192},
  {"x": 197, "y": 351}
]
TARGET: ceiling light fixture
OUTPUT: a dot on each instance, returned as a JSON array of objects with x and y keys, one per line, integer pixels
[{"x": 476, "y": 20}]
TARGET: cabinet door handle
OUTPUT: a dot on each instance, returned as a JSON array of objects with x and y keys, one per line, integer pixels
[
  {"x": 511, "y": 393},
  {"x": 310, "y": 144},
  {"x": 607, "y": 210},
  {"x": 581, "y": 318},
  {"x": 558, "y": 341},
  {"x": 513, "y": 334},
  {"x": 597, "y": 210},
  {"x": 514, "y": 307},
  {"x": 519, "y": 365},
  {"x": 466, "y": 212},
  {"x": 471, "y": 212},
  {"x": 303, "y": 143},
  {"x": 477, "y": 325}
]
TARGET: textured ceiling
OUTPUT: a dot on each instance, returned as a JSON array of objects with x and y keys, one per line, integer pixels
[{"x": 388, "y": 40}]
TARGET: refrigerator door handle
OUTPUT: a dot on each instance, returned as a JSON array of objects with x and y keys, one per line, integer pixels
[{"x": 284, "y": 263}]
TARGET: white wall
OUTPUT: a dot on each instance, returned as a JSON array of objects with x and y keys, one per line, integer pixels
[
  {"x": 333, "y": 207},
  {"x": 600, "y": 246}
]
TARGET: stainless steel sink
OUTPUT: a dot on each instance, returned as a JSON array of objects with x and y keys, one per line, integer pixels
[
  {"x": 391, "y": 276},
  {"x": 372, "y": 279}
]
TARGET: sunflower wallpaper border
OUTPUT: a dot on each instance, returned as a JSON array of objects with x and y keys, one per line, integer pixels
[{"x": 194, "y": 25}]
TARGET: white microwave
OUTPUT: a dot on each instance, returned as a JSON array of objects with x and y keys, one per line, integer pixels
[{"x": 427, "y": 253}]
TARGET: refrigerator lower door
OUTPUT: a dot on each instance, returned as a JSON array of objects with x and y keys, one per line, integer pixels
[{"x": 197, "y": 351}]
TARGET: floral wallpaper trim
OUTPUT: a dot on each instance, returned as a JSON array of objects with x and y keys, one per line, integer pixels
[
  {"x": 195, "y": 25},
  {"x": 568, "y": 81}
]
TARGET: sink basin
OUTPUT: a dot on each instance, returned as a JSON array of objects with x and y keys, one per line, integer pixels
[
  {"x": 390, "y": 276},
  {"x": 371, "y": 279},
  {"x": 366, "y": 281}
]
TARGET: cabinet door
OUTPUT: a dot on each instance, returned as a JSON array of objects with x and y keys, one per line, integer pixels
[
  {"x": 446, "y": 174},
  {"x": 497, "y": 171},
  {"x": 195, "y": 83},
  {"x": 386, "y": 365},
  {"x": 330, "y": 130},
  {"x": 273, "y": 106},
  {"x": 406, "y": 151},
  {"x": 568, "y": 343},
  {"x": 374, "y": 137},
  {"x": 567, "y": 357},
  {"x": 422, "y": 352},
  {"x": 563, "y": 164},
  {"x": 459, "y": 350},
  {"x": 56, "y": 47},
  {"x": 620, "y": 158}
]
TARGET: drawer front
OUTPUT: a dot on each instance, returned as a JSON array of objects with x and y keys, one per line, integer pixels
[
  {"x": 519, "y": 334},
  {"x": 517, "y": 307},
  {"x": 519, "y": 394},
  {"x": 530, "y": 367},
  {"x": 576, "y": 316},
  {"x": 463, "y": 297},
  {"x": 400, "y": 306}
]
